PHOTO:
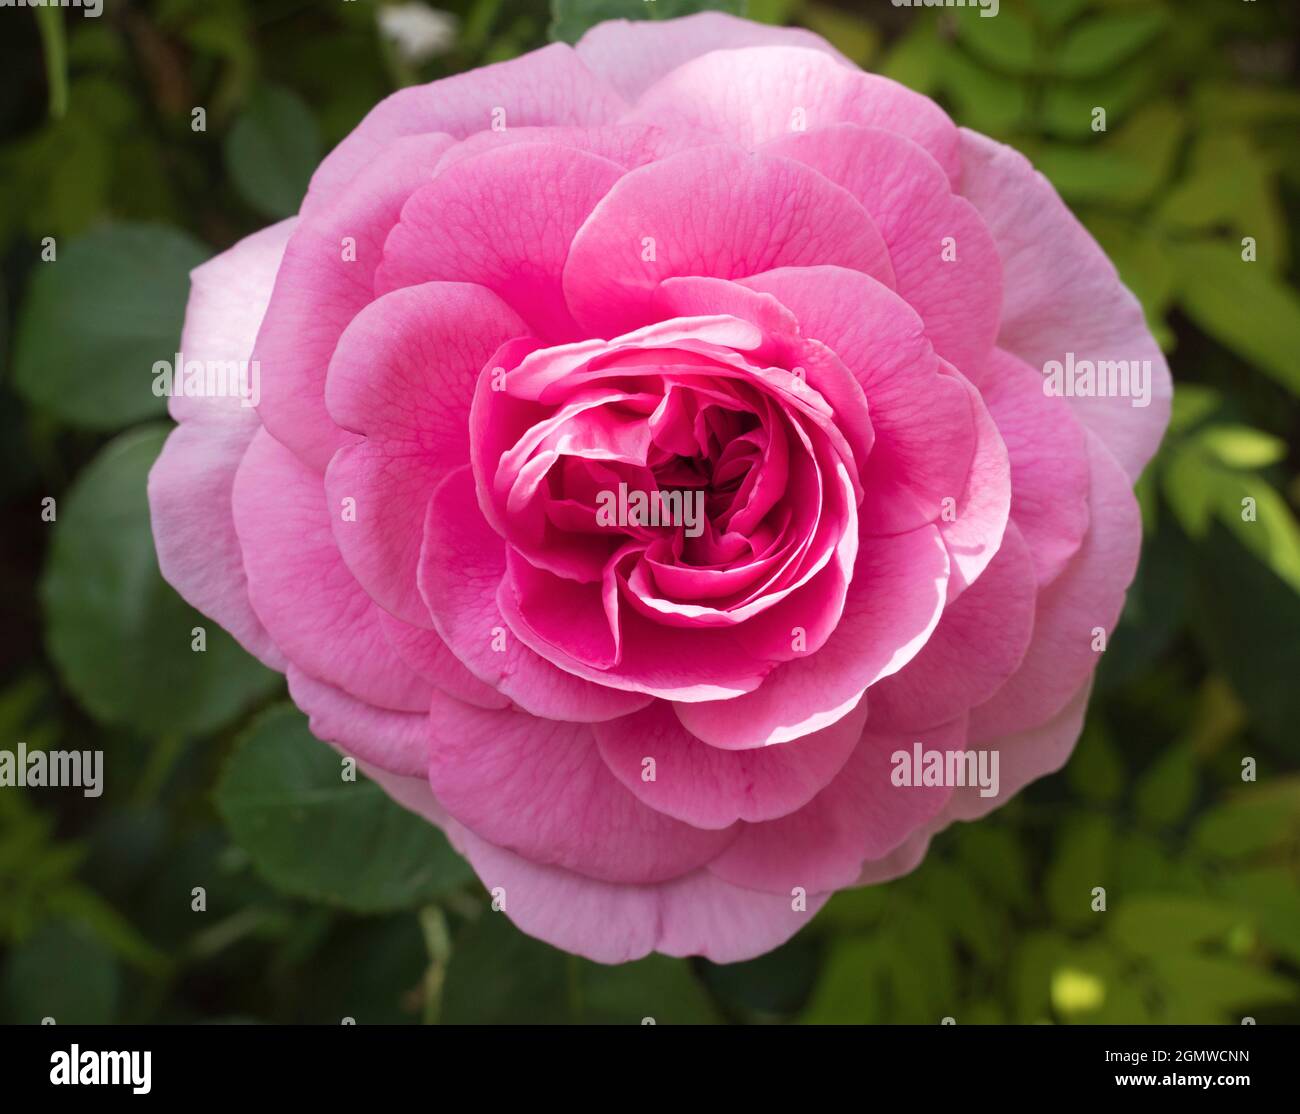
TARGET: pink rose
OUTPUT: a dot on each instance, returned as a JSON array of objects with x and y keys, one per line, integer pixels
[{"x": 674, "y": 454}]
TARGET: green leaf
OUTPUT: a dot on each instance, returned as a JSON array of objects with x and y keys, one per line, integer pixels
[
  {"x": 1080, "y": 865},
  {"x": 963, "y": 907},
  {"x": 118, "y": 633},
  {"x": 1165, "y": 792},
  {"x": 1201, "y": 489},
  {"x": 1230, "y": 185},
  {"x": 272, "y": 151},
  {"x": 1107, "y": 40},
  {"x": 1092, "y": 985},
  {"x": 98, "y": 317},
  {"x": 82, "y": 904},
  {"x": 848, "y": 32},
  {"x": 1150, "y": 925},
  {"x": 1124, "y": 170},
  {"x": 1245, "y": 618},
  {"x": 571, "y": 18},
  {"x": 656, "y": 986},
  {"x": 497, "y": 975},
  {"x": 1192, "y": 404},
  {"x": 921, "y": 974},
  {"x": 1035, "y": 958},
  {"x": 1207, "y": 990},
  {"x": 1255, "y": 820},
  {"x": 775, "y": 984},
  {"x": 314, "y": 835},
  {"x": 1057, "y": 13},
  {"x": 54, "y": 47},
  {"x": 1067, "y": 105},
  {"x": 369, "y": 969},
  {"x": 1095, "y": 769},
  {"x": 61, "y": 972},
  {"x": 987, "y": 101},
  {"x": 1006, "y": 41},
  {"x": 1271, "y": 894},
  {"x": 1142, "y": 864},
  {"x": 1239, "y": 446},
  {"x": 853, "y": 909},
  {"x": 917, "y": 58},
  {"x": 991, "y": 852},
  {"x": 1220, "y": 103},
  {"x": 850, "y": 991},
  {"x": 1242, "y": 306}
]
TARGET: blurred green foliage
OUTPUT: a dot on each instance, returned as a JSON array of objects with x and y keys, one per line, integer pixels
[{"x": 313, "y": 909}]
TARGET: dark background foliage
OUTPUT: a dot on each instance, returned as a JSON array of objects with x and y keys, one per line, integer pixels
[{"x": 323, "y": 903}]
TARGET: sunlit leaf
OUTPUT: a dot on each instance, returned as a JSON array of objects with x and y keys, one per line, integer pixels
[
  {"x": 1245, "y": 616},
  {"x": 1105, "y": 41},
  {"x": 1005, "y": 41},
  {"x": 1242, "y": 306}
]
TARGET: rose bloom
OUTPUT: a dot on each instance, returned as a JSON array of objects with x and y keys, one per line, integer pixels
[{"x": 713, "y": 262}]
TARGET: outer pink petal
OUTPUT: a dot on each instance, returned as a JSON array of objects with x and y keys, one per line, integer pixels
[
  {"x": 1049, "y": 463},
  {"x": 546, "y": 86},
  {"x": 945, "y": 262},
  {"x": 539, "y": 788},
  {"x": 894, "y": 601},
  {"x": 861, "y": 815},
  {"x": 633, "y": 54},
  {"x": 504, "y": 219},
  {"x": 403, "y": 375},
  {"x": 629, "y": 145},
  {"x": 327, "y": 277},
  {"x": 712, "y": 788},
  {"x": 710, "y": 211},
  {"x": 426, "y": 653},
  {"x": 903, "y": 859},
  {"x": 1061, "y": 294},
  {"x": 1024, "y": 757},
  {"x": 461, "y": 567},
  {"x": 1086, "y": 598},
  {"x": 301, "y": 589},
  {"x": 974, "y": 530},
  {"x": 978, "y": 644},
  {"x": 190, "y": 485},
  {"x": 190, "y": 488},
  {"x": 696, "y": 914},
  {"x": 395, "y": 741},
  {"x": 753, "y": 95},
  {"x": 228, "y": 299}
]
